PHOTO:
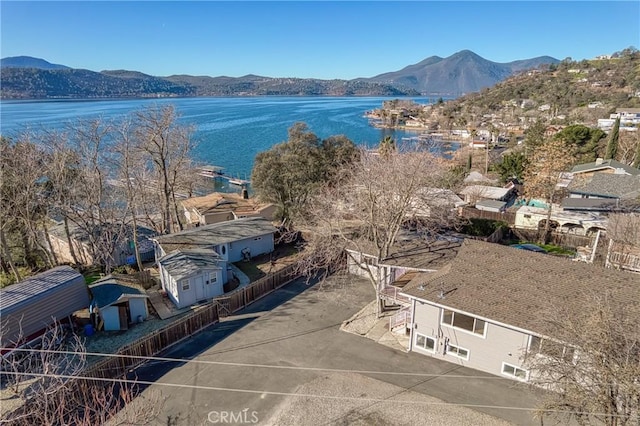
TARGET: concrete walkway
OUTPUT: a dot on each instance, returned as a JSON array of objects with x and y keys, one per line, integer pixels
[
  {"x": 241, "y": 276},
  {"x": 364, "y": 323}
]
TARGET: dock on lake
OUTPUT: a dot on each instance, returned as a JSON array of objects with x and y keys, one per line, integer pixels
[{"x": 216, "y": 172}]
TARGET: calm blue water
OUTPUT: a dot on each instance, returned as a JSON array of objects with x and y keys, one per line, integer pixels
[{"x": 229, "y": 131}]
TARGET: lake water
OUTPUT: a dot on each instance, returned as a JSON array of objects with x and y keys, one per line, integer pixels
[{"x": 229, "y": 131}]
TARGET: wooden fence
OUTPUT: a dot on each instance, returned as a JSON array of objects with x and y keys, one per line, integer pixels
[
  {"x": 471, "y": 213},
  {"x": 244, "y": 296},
  {"x": 132, "y": 355}
]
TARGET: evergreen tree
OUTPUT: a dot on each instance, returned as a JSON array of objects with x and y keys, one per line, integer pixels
[
  {"x": 612, "y": 145},
  {"x": 387, "y": 146}
]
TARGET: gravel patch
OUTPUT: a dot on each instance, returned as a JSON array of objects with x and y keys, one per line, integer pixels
[
  {"x": 398, "y": 406},
  {"x": 363, "y": 321}
]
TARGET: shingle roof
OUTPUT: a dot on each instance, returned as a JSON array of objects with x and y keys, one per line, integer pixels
[
  {"x": 217, "y": 202},
  {"x": 416, "y": 253},
  {"x": 108, "y": 291},
  {"x": 37, "y": 285},
  {"x": 185, "y": 263},
  {"x": 606, "y": 164},
  {"x": 216, "y": 234},
  {"x": 516, "y": 287},
  {"x": 608, "y": 185}
]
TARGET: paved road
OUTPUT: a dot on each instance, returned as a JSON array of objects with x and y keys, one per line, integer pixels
[{"x": 298, "y": 326}]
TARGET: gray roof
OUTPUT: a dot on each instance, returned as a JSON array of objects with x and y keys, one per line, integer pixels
[
  {"x": 108, "y": 291},
  {"x": 415, "y": 252},
  {"x": 38, "y": 286},
  {"x": 606, "y": 164},
  {"x": 216, "y": 234},
  {"x": 516, "y": 287},
  {"x": 608, "y": 185},
  {"x": 589, "y": 204},
  {"x": 185, "y": 263}
]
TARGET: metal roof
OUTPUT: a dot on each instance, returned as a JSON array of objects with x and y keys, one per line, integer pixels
[{"x": 38, "y": 285}]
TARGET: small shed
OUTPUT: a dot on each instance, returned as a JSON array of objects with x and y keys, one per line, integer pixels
[
  {"x": 491, "y": 206},
  {"x": 27, "y": 308},
  {"x": 190, "y": 276},
  {"x": 118, "y": 304}
]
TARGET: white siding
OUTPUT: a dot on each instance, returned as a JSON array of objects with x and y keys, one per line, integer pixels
[
  {"x": 111, "y": 318},
  {"x": 138, "y": 307},
  {"x": 487, "y": 353}
]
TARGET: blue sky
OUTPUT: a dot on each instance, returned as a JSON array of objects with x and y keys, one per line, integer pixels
[{"x": 307, "y": 39}]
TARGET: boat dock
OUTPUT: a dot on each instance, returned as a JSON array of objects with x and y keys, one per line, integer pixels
[{"x": 216, "y": 172}]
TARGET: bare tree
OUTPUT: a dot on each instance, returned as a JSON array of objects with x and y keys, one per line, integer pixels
[
  {"x": 592, "y": 366},
  {"x": 168, "y": 146},
  {"x": 47, "y": 378},
  {"x": 542, "y": 174},
  {"x": 365, "y": 213}
]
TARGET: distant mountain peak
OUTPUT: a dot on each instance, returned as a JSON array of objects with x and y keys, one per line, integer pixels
[
  {"x": 463, "y": 72},
  {"x": 29, "y": 62}
]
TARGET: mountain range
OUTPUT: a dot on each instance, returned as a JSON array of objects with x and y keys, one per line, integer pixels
[{"x": 24, "y": 77}]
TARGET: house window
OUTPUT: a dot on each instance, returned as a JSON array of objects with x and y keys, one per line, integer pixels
[
  {"x": 425, "y": 342},
  {"x": 513, "y": 371},
  {"x": 464, "y": 322},
  {"x": 458, "y": 351},
  {"x": 527, "y": 216},
  {"x": 213, "y": 278},
  {"x": 184, "y": 284},
  {"x": 224, "y": 250},
  {"x": 551, "y": 349}
]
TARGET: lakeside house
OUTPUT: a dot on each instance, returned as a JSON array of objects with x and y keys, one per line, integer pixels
[
  {"x": 194, "y": 264},
  {"x": 218, "y": 207},
  {"x": 475, "y": 314},
  {"x": 115, "y": 242}
]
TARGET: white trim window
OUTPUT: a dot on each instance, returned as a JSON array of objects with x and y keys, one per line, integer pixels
[
  {"x": 464, "y": 322},
  {"x": 515, "y": 372},
  {"x": 184, "y": 284},
  {"x": 213, "y": 278},
  {"x": 551, "y": 349},
  {"x": 425, "y": 343},
  {"x": 457, "y": 351}
]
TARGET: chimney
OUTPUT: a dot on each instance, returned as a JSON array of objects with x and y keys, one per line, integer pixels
[
  {"x": 245, "y": 194},
  {"x": 599, "y": 161}
]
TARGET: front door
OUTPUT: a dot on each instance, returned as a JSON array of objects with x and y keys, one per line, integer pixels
[
  {"x": 199, "y": 284},
  {"x": 124, "y": 320}
]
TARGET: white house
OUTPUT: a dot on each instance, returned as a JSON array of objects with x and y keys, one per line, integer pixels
[
  {"x": 118, "y": 304},
  {"x": 193, "y": 264}
]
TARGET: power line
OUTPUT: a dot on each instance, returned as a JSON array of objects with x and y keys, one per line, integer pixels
[
  {"x": 274, "y": 393},
  {"x": 309, "y": 395},
  {"x": 277, "y": 367}
]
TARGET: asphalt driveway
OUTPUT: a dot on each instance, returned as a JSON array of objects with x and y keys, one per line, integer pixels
[{"x": 298, "y": 327}]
